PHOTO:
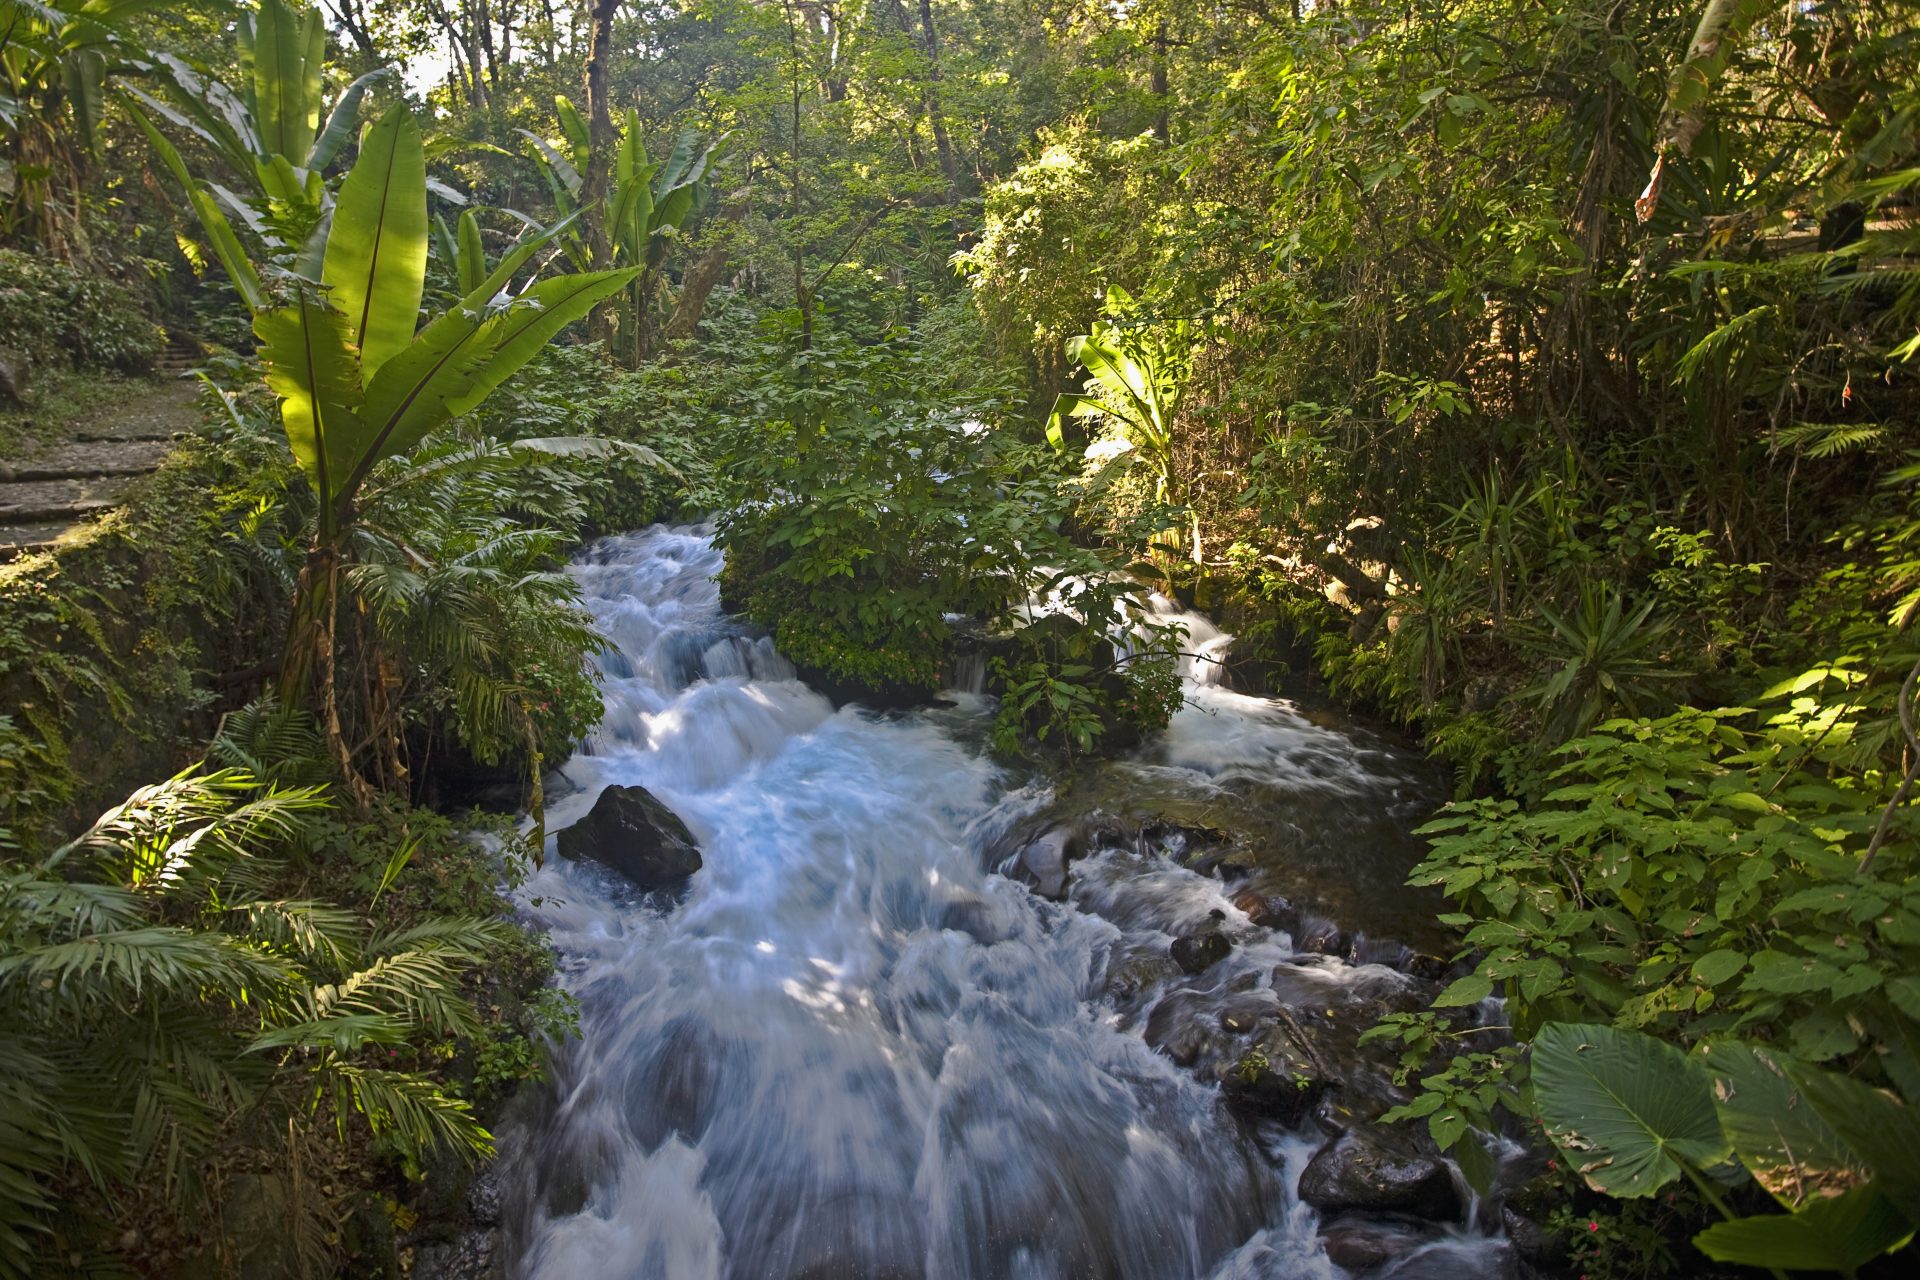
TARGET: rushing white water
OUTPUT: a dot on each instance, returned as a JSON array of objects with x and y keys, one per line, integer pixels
[{"x": 851, "y": 1051}]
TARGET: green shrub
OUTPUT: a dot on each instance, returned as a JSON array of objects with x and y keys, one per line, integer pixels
[{"x": 62, "y": 315}]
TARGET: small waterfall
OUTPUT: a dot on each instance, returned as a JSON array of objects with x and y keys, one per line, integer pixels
[{"x": 851, "y": 1050}]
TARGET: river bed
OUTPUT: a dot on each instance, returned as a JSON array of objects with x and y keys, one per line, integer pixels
[{"x": 853, "y": 1047}]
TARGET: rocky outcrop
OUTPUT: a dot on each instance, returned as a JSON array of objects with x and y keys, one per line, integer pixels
[
  {"x": 629, "y": 830},
  {"x": 1381, "y": 1169}
]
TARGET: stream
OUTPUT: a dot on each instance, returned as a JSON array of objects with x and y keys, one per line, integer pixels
[{"x": 863, "y": 1041}]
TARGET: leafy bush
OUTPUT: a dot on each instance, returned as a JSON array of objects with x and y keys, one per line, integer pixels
[
  {"x": 163, "y": 995},
  {"x": 70, "y": 316}
]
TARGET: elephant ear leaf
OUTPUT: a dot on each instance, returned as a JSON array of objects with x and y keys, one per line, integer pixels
[
  {"x": 1828, "y": 1233},
  {"x": 1624, "y": 1108},
  {"x": 1882, "y": 1133},
  {"x": 1785, "y": 1144},
  {"x": 376, "y": 263}
]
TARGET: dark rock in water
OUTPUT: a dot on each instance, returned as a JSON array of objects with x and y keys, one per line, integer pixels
[
  {"x": 1042, "y": 865},
  {"x": 1360, "y": 1245},
  {"x": 1322, "y": 937},
  {"x": 632, "y": 832},
  {"x": 1269, "y": 911},
  {"x": 1198, "y": 952},
  {"x": 1379, "y": 1169},
  {"x": 1523, "y": 1219},
  {"x": 1280, "y": 1074},
  {"x": 1428, "y": 968},
  {"x": 1138, "y": 975},
  {"x": 476, "y": 1255}
]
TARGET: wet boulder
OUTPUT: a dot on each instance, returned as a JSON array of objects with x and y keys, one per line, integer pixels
[
  {"x": 1042, "y": 864},
  {"x": 1269, "y": 911},
  {"x": 631, "y": 831},
  {"x": 1360, "y": 1245},
  {"x": 1280, "y": 1073},
  {"x": 1381, "y": 1169},
  {"x": 1199, "y": 951}
]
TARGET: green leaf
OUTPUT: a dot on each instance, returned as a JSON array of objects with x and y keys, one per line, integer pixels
[
  {"x": 1781, "y": 1139},
  {"x": 220, "y": 234},
  {"x": 1883, "y": 1133},
  {"x": 1716, "y": 967},
  {"x": 309, "y": 365},
  {"x": 286, "y": 77},
  {"x": 344, "y": 119},
  {"x": 1471, "y": 989},
  {"x": 1838, "y": 1233},
  {"x": 473, "y": 253},
  {"x": 535, "y": 318},
  {"x": 376, "y": 262},
  {"x": 1625, "y": 1109}
]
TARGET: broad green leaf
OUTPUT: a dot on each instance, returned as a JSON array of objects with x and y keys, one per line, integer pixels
[
  {"x": 1781, "y": 1139},
  {"x": 1471, "y": 989},
  {"x": 344, "y": 119},
  {"x": 412, "y": 393},
  {"x": 1716, "y": 967},
  {"x": 85, "y": 73},
  {"x": 285, "y": 90},
  {"x": 1882, "y": 1133},
  {"x": 376, "y": 262},
  {"x": 535, "y": 318},
  {"x": 1836, "y": 1233},
  {"x": 309, "y": 364},
  {"x": 226, "y": 245},
  {"x": 1625, "y": 1109},
  {"x": 473, "y": 253}
]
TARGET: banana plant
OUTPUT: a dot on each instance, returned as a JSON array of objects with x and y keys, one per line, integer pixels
[
  {"x": 648, "y": 203},
  {"x": 358, "y": 383},
  {"x": 269, "y": 133},
  {"x": 56, "y": 57},
  {"x": 1137, "y": 375}
]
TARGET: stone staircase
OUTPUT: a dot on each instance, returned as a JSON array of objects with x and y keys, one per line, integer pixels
[{"x": 44, "y": 494}]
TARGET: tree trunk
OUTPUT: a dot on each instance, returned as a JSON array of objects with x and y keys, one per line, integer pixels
[
  {"x": 601, "y": 143},
  {"x": 700, "y": 280},
  {"x": 942, "y": 144},
  {"x": 1158, "y": 85}
]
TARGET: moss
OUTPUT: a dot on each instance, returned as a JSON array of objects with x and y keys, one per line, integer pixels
[{"x": 114, "y": 641}]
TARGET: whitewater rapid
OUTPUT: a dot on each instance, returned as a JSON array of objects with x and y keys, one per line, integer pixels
[{"x": 850, "y": 1050}]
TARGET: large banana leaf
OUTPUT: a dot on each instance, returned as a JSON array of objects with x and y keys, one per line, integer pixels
[
  {"x": 307, "y": 353},
  {"x": 1627, "y": 1110},
  {"x": 472, "y": 262},
  {"x": 376, "y": 261},
  {"x": 458, "y": 360},
  {"x": 226, "y": 245},
  {"x": 285, "y": 90},
  {"x": 574, "y": 125},
  {"x": 344, "y": 119},
  {"x": 535, "y": 319}
]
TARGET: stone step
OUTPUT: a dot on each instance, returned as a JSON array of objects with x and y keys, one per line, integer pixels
[
  {"x": 44, "y": 501},
  {"x": 77, "y": 460},
  {"x": 17, "y": 539}
]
